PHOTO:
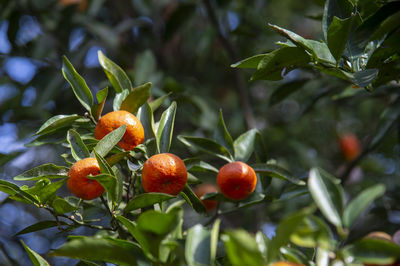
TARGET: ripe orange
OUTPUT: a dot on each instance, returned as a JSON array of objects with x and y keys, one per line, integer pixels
[
  {"x": 134, "y": 134},
  {"x": 79, "y": 184},
  {"x": 202, "y": 189},
  {"x": 82, "y": 4},
  {"x": 286, "y": 263},
  {"x": 236, "y": 180},
  {"x": 350, "y": 146},
  {"x": 165, "y": 173}
]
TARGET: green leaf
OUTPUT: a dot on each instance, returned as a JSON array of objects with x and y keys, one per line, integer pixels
[
  {"x": 47, "y": 193},
  {"x": 373, "y": 251},
  {"x": 49, "y": 171},
  {"x": 276, "y": 171},
  {"x": 214, "y": 241},
  {"x": 319, "y": 50},
  {"x": 286, "y": 89},
  {"x": 312, "y": 232},
  {"x": 244, "y": 145},
  {"x": 56, "y": 122},
  {"x": 35, "y": 258},
  {"x": 251, "y": 62},
  {"x": 283, "y": 232},
  {"x": 341, "y": 9},
  {"x": 115, "y": 158},
  {"x": 16, "y": 193},
  {"x": 78, "y": 84},
  {"x": 208, "y": 146},
  {"x": 111, "y": 250},
  {"x": 272, "y": 65},
  {"x": 157, "y": 222},
  {"x": 78, "y": 148},
  {"x": 165, "y": 129},
  {"x": 196, "y": 165},
  {"x": 146, "y": 199},
  {"x": 105, "y": 145},
  {"x": 105, "y": 168},
  {"x": 119, "y": 98},
  {"x": 222, "y": 135},
  {"x": 145, "y": 115},
  {"x": 117, "y": 77},
  {"x": 197, "y": 246},
  {"x": 365, "y": 77},
  {"x": 97, "y": 109},
  {"x": 192, "y": 199},
  {"x": 109, "y": 182},
  {"x": 61, "y": 206},
  {"x": 119, "y": 186},
  {"x": 360, "y": 203},
  {"x": 327, "y": 195},
  {"x": 40, "y": 226},
  {"x": 130, "y": 225},
  {"x": 242, "y": 249},
  {"x": 338, "y": 34},
  {"x": 136, "y": 98},
  {"x": 157, "y": 102}
]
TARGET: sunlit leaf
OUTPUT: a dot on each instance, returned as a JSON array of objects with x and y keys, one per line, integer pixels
[
  {"x": 78, "y": 148},
  {"x": 165, "y": 129},
  {"x": 118, "y": 78},
  {"x": 56, "y": 122},
  {"x": 136, "y": 98}
]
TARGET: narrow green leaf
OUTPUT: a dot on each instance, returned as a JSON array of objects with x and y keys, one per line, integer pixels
[
  {"x": 119, "y": 186},
  {"x": 61, "y": 206},
  {"x": 105, "y": 168},
  {"x": 374, "y": 251},
  {"x": 49, "y": 171},
  {"x": 197, "y": 165},
  {"x": 357, "y": 205},
  {"x": 117, "y": 77},
  {"x": 157, "y": 222},
  {"x": 115, "y": 158},
  {"x": 119, "y": 98},
  {"x": 39, "y": 226},
  {"x": 276, "y": 171},
  {"x": 193, "y": 200},
  {"x": 35, "y": 258},
  {"x": 242, "y": 248},
  {"x": 105, "y": 145},
  {"x": 111, "y": 250},
  {"x": 16, "y": 193},
  {"x": 146, "y": 199},
  {"x": 338, "y": 34},
  {"x": 109, "y": 182},
  {"x": 136, "y": 98},
  {"x": 327, "y": 195},
  {"x": 214, "y": 241},
  {"x": 78, "y": 84},
  {"x": 341, "y": 9},
  {"x": 251, "y": 62},
  {"x": 165, "y": 129},
  {"x": 272, "y": 65},
  {"x": 365, "y": 77},
  {"x": 197, "y": 246},
  {"x": 222, "y": 135},
  {"x": 208, "y": 146},
  {"x": 157, "y": 102},
  {"x": 130, "y": 225},
  {"x": 244, "y": 145},
  {"x": 78, "y": 148},
  {"x": 97, "y": 109},
  {"x": 56, "y": 122},
  {"x": 145, "y": 115}
]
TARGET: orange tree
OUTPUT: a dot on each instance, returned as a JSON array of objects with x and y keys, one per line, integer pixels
[{"x": 144, "y": 228}]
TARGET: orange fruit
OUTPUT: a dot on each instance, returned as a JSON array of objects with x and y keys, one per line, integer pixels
[
  {"x": 286, "y": 263},
  {"x": 203, "y": 189},
  {"x": 236, "y": 180},
  {"x": 350, "y": 146},
  {"x": 82, "y": 4},
  {"x": 79, "y": 184},
  {"x": 134, "y": 134},
  {"x": 164, "y": 173}
]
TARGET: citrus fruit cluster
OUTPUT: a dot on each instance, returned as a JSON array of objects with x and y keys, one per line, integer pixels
[{"x": 164, "y": 173}]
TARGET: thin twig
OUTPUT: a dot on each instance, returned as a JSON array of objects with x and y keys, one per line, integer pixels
[{"x": 239, "y": 80}]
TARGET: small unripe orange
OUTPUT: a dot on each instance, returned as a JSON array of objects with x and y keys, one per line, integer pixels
[
  {"x": 349, "y": 146},
  {"x": 203, "y": 189},
  {"x": 236, "y": 180}
]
